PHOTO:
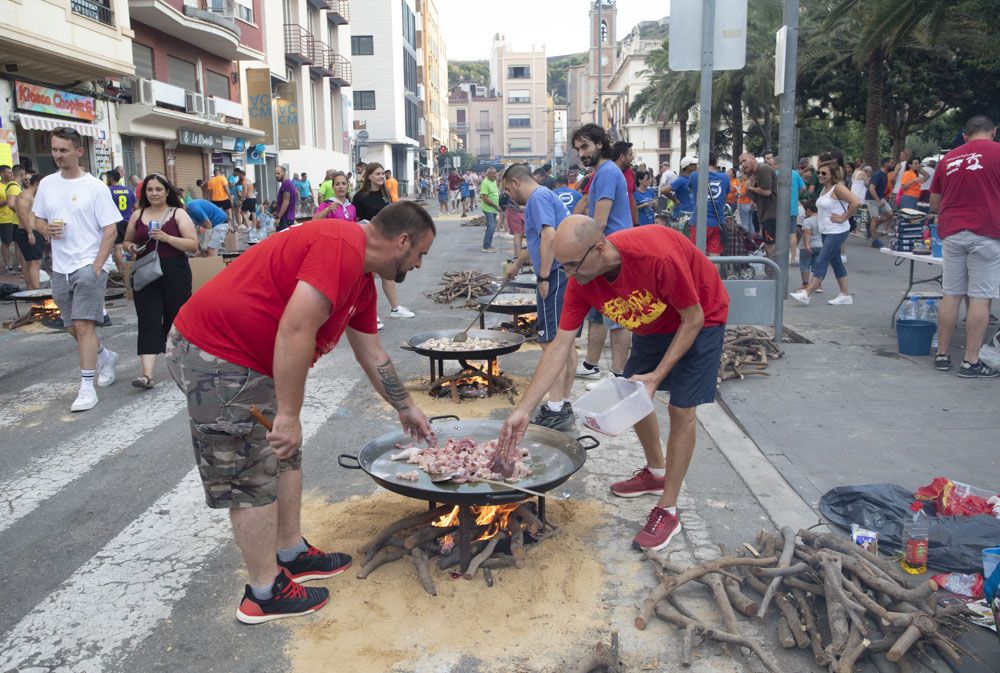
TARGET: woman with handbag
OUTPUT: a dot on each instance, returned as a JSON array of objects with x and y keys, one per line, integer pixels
[{"x": 159, "y": 235}]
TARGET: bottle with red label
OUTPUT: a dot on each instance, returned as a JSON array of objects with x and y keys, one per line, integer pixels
[{"x": 916, "y": 533}]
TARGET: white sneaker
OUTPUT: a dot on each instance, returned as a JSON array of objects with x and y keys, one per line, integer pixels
[
  {"x": 380, "y": 323},
  {"x": 401, "y": 312},
  {"x": 594, "y": 384},
  {"x": 86, "y": 399},
  {"x": 585, "y": 373},
  {"x": 800, "y": 296},
  {"x": 106, "y": 371},
  {"x": 842, "y": 300}
]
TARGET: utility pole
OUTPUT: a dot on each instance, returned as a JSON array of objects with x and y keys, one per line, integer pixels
[
  {"x": 705, "y": 122},
  {"x": 600, "y": 65},
  {"x": 787, "y": 145}
]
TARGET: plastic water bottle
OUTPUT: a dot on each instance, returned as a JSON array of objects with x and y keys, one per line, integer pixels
[
  {"x": 930, "y": 314},
  {"x": 916, "y": 533},
  {"x": 911, "y": 309}
]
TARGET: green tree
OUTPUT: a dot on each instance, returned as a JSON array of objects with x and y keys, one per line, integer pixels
[{"x": 477, "y": 72}]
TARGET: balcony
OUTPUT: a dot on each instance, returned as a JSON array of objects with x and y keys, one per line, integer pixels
[
  {"x": 298, "y": 44},
  {"x": 168, "y": 94},
  {"x": 461, "y": 126},
  {"x": 323, "y": 58},
  {"x": 338, "y": 12},
  {"x": 98, "y": 11},
  {"x": 228, "y": 108},
  {"x": 484, "y": 126},
  {"x": 342, "y": 71},
  {"x": 210, "y": 24}
]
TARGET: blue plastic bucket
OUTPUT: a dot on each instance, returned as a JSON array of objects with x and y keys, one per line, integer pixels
[{"x": 914, "y": 336}]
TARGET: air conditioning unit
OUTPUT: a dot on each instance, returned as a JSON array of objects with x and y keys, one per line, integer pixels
[
  {"x": 194, "y": 103},
  {"x": 210, "y": 110},
  {"x": 142, "y": 90}
]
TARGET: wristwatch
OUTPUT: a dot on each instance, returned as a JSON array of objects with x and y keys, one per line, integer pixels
[{"x": 539, "y": 279}]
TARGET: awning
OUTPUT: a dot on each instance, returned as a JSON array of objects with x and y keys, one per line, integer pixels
[{"x": 34, "y": 123}]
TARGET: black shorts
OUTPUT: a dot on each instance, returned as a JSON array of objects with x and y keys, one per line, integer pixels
[
  {"x": 120, "y": 238},
  {"x": 225, "y": 205},
  {"x": 249, "y": 205},
  {"x": 7, "y": 232},
  {"x": 770, "y": 230},
  {"x": 693, "y": 379},
  {"x": 31, "y": 253}
]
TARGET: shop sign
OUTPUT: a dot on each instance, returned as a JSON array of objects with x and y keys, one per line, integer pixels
[
  {"x": 259, "y": 102},
  {"x": 34, "y": 98},
  {"x": 256, "y": 153},
  {"x": 199, "y": 139},
  {"x": 286, "y": 102},
  {"x": 8, "y": 148}
]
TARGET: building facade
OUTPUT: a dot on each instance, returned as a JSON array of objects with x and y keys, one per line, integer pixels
[
  {"x": 475, "y": 119},
  {"x": 386, "y": 105},
  {"x": 433, "y": 80},
  {"x": 520, "y": 79},
  {"x": 560, "y": 136}
]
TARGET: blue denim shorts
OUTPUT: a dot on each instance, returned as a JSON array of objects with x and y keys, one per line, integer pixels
[
  {"x": 550, "y": 308},
  {"x": 693, "y": 379}
]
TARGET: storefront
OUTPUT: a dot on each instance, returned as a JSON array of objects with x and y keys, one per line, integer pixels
[{"x": 189, "y": 168}]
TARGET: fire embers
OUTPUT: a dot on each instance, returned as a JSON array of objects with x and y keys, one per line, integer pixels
[
  {"x": 46, "y": 312},
  {"x": 525, "y": 324},
  {"x": 473, "y": 382}
]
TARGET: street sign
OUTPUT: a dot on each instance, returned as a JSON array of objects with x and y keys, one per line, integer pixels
[
  {"x": 730, "y": 44},
  {"x": 780, "y": 49}
]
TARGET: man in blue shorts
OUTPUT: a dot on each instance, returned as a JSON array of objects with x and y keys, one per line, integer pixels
[
  {"x": 543, "y": 212},
  {"x": 213, "y": 223}
]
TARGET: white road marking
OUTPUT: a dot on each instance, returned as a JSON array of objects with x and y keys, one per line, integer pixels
[
  {"x": 14, "y": 407},
  {"x": 115, "y": 600}
]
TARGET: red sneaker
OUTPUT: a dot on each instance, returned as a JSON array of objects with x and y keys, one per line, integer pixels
[
  {"x": 660, "y": 529},
  {"x": 642, "y": 482}
]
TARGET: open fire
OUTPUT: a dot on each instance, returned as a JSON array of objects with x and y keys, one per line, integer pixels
[
  {"x": 473, "y": 382},
  {"x": 45, "y": 312},
  {"x": 493, "y": 518},
  {"x": 525, "y": 324}
]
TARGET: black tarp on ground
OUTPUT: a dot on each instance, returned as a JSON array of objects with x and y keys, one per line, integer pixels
[{"x": 956, "y": 542}]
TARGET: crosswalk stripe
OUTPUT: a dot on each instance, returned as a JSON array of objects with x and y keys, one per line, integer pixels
[
  {"x": 74, "y": 457},
  {"x": 15, "y": 407},
  {"x": 116, "y": 599}
]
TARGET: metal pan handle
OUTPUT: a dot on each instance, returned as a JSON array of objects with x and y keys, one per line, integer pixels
[
  {"x": 346, "y": 456},
  {"x": 443, "y": 418},
  {"x": 586, "y": 447},
  {"x": 408, "y": 347}
]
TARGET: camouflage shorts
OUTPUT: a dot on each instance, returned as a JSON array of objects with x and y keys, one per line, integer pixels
[{"x": 237, "y": 465}]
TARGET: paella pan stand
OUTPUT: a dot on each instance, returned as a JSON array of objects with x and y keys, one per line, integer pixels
[
  {"x": 571, "y": 451},
  {"x": 508, "y": 344},
  {"x": 509, "y": 309}
]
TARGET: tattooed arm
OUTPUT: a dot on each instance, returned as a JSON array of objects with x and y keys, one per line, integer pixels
[{"x": 381, "y": 372}]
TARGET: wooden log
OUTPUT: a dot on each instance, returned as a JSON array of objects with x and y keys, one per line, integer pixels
[
  {"x": 754, "y": 583},
  {"x": 857, "y": 643},
  {"x": 802, "y": 585},
  {"x": 408, "y": 522},
  {"x": 686, "y": 648},
  {"x": 791, "y": 616},
  {"x": 809, "y": 622},
  {"x": 726, "y": 611},
  {"x": 426, "y": 535},
  {"x": 785, "y": 637},
  {"x": 488, "y": 576},
  {"x": 846, "y": 546},
  {"x": 836, "y": 615},
  {"x": 517, "y": 540},
  {"x": 787, "y": 550},
  {"x": 532, "y": 523},
  {"x": 499, "y": 561},
  {"x": 384, "y": 555},
  {"x": 922, "y": 625},
  {"x": 782, "y": 572},
  {"x": 449, "y": 560},
  {"x": 394, "y": 541},
  {"x": 604, "y": 657},
  {"x": 423, "y": 572},
  {"x": 478, "y": 559},
  {"x": 740, "y": 600}
]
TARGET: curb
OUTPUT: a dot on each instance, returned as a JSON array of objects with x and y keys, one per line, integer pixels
[{"x": 778, "y": 499}]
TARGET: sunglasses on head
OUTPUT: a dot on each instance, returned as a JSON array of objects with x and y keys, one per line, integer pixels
[{"x": 65, "y": 131}]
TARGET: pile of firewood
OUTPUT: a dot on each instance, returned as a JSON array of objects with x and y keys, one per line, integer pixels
[
  {"x": 833, "y": 597},
  {"x": 478, "y": 221},
  {"x": 465, "y": 285},
  {"x": 746, "y": 351}
]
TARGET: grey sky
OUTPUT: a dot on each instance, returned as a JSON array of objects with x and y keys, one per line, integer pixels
[{"x": 561, "y": 25}]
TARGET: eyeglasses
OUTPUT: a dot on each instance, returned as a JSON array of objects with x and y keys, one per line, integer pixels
[
  {"x": 575, "y": 266},
  {"x": 824, "y": 172}
]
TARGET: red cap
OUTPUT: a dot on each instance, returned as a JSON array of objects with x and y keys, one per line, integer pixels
[{"x": 916, "y": 506}]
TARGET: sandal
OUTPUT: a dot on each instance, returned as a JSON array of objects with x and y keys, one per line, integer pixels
[{"x": 143, "y": 382}]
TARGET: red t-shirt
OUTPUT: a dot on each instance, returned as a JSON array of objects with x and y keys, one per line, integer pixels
[
  {"x": 235, "y": 315},
  {"x": 661, "y": 272},
  {"x": 968, "y": 180},
  {"x": 629, "y": 180},
  {"x": 454, "y": 181}
]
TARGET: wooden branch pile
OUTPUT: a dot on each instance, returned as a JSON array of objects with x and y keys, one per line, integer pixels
[
  {"x": 465, "y": 285},
  {"x": 832, "y": 597},
  {"x": 414, "y": 537},
  {"x": 746, "y": 351},
  {"x": 478, "y": 221}
]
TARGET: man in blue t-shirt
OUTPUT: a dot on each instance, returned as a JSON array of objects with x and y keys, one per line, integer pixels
[
  {"x": 609, "y": 205},
  {"x": 879, "y": 209},
  {"x": 543, "y": 212},
  {"x": 718, "y": 189},
  {"x": 213, "y": 223},
  {"x": 569, "y": 197},
  {"x": 680, "y": 188},
  {"x": 124, "y": 199}
]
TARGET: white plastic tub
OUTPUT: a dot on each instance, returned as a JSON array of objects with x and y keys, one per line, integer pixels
[{"x": 614, "y": 405}]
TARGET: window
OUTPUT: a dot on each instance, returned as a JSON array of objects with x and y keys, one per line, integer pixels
[
  {"x": 518, "y": 121},
  {"x": 409, "y": 26},
  {"x": 665, "y": 138},
  {"x": 143, "y": 59},
  {"x": 181, "y": 73},
  {"x": 520, "y": 144},
  {"x": 518, "y": 72},
  {"x": 362, "y": 45},
  {"x": 244, "y": 10},
  {"x": 216, "y": 84},
  {"x": 364, "y": 100},
  {"x": 412, "y": 129},
  {"x": 460, "y": 116},
  {"x": 664, "y": 157},
  {"x": 519, "y": 96},
  {"x": 604, "y": 31},
  {"x": 484, "y": 145},
  {"x": 409, "y": 72}
]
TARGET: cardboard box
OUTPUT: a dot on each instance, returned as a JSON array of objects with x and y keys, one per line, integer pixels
[{"x": 203, "y": 269}]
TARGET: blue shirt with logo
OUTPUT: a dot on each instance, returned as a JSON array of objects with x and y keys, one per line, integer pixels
[
  {"x": 718, "y": 188},
  {"x": 609, "y": 183},
  {"x": 682, "y": 191},
  {"x": 543, "y": 209},
  {"x": 646, "y": 215},
  {"x": 569, "y": 197}
]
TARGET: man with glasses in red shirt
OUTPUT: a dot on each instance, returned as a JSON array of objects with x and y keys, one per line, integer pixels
[{"x": 656, "y": 283}]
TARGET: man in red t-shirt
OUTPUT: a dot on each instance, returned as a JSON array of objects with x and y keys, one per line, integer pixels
[
  {"x": 248, "y": 338},
  {"x": 622, "y": 155},
  {"x": 965, "y": 200},
  {"x": 654, "y": 282}
]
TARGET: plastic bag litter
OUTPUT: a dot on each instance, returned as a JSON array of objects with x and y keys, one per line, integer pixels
[
  {"x": 956, "y": 542},
  {"x": 990, "y": 355}
]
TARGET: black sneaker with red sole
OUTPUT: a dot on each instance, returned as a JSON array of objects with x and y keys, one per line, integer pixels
[
  {"x": 313, "y": 564},
  {"x": 289, "y": 599}
]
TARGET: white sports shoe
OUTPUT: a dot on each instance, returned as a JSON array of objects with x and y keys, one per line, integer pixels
[
  {"x": 597, "y": 382},
  {"x": 106, "y": 371},
  {"x": 842, "y": 300},
  {"x": 86, "y": 399},
  {"x": 401, "y": 312},
  {"x": 800, "y": 296},
  {"x": 585, "y": 373},
  {"x": 380, "y": 323}
]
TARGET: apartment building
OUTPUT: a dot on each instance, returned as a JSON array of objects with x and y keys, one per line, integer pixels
[
  {"x": 519, "y": 78},
  {"x": 43, "y": 45},
  {"x": 387, "y": 108},
  {"x": 475, "y": 118},
  {"x": 432, "y": 76},
  {"x": 560, "y": 135}
]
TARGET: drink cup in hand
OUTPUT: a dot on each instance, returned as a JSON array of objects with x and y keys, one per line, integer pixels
[{"x": 56, "y": 228}]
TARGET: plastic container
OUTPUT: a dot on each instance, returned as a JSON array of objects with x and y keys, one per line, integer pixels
[
  {"x": 936, "y": 249},
  {"x": 614, "y": 405},
  {"x": 914, "y": 336},
  {"x": 916, "y": 536}
]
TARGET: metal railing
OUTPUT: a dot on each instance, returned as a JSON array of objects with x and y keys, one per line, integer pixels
[
  {"x": 226, "y": 8},
  {"x": 98, "y": 11},
  {"x": 342, "y": 71},
  {"x": 484, "y": 126},
  {"x": 322, "y": 59},
  {"x": 748, "y": 307},
  {"x": 338, "y": 11},
  {"x": 462, "y": 126},
  {"x": 298, "y": 44}
]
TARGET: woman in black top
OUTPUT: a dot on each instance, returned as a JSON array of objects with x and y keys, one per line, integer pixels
[{"x": 370, "y": 199}]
